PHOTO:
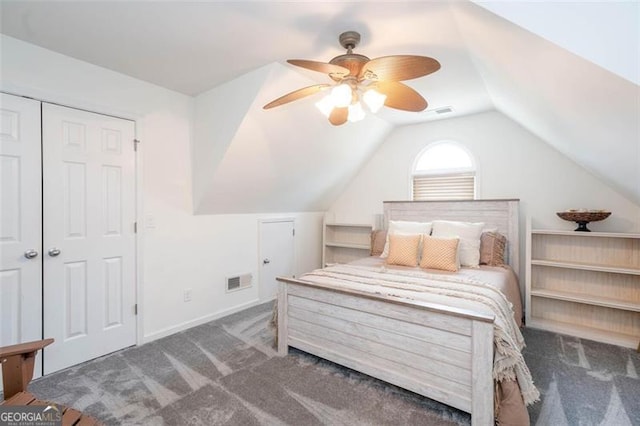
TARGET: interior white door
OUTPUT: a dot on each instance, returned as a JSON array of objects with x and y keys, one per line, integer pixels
[
  {"x": 277, "y": 253},
  {"x": 20, "y": 222},
  {"x": 89, "y": 239}
]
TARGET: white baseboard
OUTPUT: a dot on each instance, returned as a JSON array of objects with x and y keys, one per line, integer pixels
[{"x": 192, "y": 323}]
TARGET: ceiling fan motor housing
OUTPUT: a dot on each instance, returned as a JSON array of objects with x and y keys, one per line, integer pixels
[
  {"x": 349, "y": 39},
  {"x": 351, "y": 61}
]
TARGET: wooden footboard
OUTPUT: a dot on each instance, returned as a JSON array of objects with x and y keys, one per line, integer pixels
[{"x": 443, "y": 353}]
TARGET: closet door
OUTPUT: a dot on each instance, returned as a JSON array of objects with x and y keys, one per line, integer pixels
[
  {"x": 20, "y": 221},
  {"x": 89, "y": 241}
]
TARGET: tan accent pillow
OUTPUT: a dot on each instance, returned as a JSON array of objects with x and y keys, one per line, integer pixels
[
  {"x": 492, "y": 247},
  {"x": 440, "y": 253},
  {"x": 405, "y": 228},
  {"x": 403, "y": 249},
  {"x": 378, "y": 240}
]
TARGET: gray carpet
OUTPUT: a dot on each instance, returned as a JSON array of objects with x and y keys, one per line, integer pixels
[
  {"x": 582, "y": 382},
  {"x": 227, "y": 372}
]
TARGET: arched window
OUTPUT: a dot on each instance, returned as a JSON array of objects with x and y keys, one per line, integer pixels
[{"x": 444, "y": 171}]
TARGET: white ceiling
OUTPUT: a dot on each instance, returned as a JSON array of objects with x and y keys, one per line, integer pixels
[
  {"x": 487, "y": 62},
  {"x": 584, "y": 111},
  {"x": 191, "y": 47},
  {"x": 606, "y": 33}
]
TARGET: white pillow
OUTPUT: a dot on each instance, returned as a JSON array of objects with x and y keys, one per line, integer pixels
[
  {"x": 469, "y": 234},
  {"x": 406, "y": 228}
]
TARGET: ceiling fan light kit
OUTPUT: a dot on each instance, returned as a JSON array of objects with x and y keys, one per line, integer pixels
[
  {"x": 360, "y": 80},
  {"x": 343, "y": 95}
]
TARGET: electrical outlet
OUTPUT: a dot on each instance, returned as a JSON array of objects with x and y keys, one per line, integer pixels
[
  {"x": 150, "y": 221},
  {"x": 187, "y": 295}
]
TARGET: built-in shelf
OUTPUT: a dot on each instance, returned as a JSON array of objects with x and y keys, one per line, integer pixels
[
  {"x": 585, "y": 234},
  {"x": 349, "y": 245},
  {"x": 605, "y": 336},
  {"x": 586, "y": 267},
  {"x": 585, "y": 284},
  {"x": 587, "y": 299},
  {"x": 348, "y": 225},
  {"x": 345, "y": 242}
]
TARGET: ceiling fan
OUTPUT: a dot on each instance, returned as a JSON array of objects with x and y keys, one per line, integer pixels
[{"x": 375, "y": 82}]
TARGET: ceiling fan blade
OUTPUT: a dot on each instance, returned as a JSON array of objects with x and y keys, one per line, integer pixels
[
  {"x": 333, "y": 70},
  {"x": 339, "y": 116},
  {"x": 398, "y": 68},
  {"x": 295, "y": 95},
  {"x": 400, "y": 96}
]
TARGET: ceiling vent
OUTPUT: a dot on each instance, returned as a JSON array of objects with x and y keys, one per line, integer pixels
[
  {"x": 444, "y": 110},
  {"x": 438, "y": 111}
]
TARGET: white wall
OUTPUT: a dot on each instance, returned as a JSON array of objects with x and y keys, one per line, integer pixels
[
  {"x": 199, "y": 252},
  {"x": 219, "y": 113},
  {"x": 247, "y": 159},
  {"x": 584, "y": 111},
  {"x": 513, "y": 163},
  {"x": 182, "y": 250},
  {"x": 595, "y": 27}
]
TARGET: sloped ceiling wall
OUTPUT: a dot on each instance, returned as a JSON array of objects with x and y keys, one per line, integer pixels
[
  {"x": 606, "y": 33},
  {"x": 248, "y": 160},
  {"x": 586, "y": 112},
  {"x": 218, "y": 115},
  {"x": 290, "y": 158},
  {"x": 287, "y": 159}
]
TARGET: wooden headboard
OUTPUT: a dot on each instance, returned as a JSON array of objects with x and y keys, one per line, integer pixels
[{"x": 500, "y": 214}]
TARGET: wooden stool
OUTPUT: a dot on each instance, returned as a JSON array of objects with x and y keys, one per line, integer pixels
[{"x": 17, "y": 371}]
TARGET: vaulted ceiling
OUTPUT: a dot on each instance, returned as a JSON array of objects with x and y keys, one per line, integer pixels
[{"x": 230, "y": 56}]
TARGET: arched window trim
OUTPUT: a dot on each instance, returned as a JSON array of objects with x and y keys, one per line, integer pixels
[
  {"x": 432, "y": 145},
  {"x": 446, "y": 172}
]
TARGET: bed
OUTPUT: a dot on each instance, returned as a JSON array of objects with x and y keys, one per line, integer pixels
[{"x": 364, "y": 317}]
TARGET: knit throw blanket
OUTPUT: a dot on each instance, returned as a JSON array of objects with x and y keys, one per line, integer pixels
[{"x": 449, "y": 290}]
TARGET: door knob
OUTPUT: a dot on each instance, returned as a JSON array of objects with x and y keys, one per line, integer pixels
[
  {"x": 30, "y": 254},
  {"x": 264, "y": 262},
  {"x": 54, "y": 252}
]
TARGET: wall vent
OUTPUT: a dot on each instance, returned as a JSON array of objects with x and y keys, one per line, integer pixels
[{"x": 238, "y": 282}]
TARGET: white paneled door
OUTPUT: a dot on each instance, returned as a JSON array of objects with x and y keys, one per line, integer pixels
[
  {"x": 88, "y": 235},
  {"x": 277, "y": 254},
  {"x": 20, "y": 221}
]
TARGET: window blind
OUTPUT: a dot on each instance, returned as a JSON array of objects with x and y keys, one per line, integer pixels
[{"x": 444, "y": 187}]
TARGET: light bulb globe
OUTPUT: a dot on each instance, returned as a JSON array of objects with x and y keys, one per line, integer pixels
[
  {"x": 374, "y": 100},
  {"x": 325, "y": 105},
  {"x": 356, "y": 113},
  {"x": 341, "y": 95}
]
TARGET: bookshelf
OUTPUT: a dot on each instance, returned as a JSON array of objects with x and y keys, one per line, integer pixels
[
  {"x": 344, "y": 242},
  {"x": 585, "y": 284}
]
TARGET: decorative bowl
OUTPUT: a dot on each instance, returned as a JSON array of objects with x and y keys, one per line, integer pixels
[{"x": 583, "y": 217}]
